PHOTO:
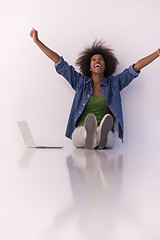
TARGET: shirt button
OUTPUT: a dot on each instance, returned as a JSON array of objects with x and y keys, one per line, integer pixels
[
  {"x": 83, "y": 104},
  {"x": 88, "y": 95}
]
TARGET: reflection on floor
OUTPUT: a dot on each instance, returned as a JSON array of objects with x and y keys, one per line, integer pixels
[
  {"x": 96, "y": 178},
  {"x": 79, "y": 194}
]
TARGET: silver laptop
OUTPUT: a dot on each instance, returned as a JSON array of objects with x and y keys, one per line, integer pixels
[{"x": 28, "y": 139}]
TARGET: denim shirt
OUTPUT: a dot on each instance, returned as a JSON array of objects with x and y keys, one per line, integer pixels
[{"x": 110, "y": 87}]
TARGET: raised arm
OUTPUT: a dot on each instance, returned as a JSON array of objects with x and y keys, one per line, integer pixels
[
  {"x": 146, "y": 60},
  {"x": 49, "y": 53}
]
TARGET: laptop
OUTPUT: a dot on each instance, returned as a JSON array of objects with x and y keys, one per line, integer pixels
[{"x": 28, "y": 139}]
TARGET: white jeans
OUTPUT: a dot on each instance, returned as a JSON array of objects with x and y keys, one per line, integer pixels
[{"x": 79, "y": 137}]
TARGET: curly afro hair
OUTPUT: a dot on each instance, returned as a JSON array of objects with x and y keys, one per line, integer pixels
[{"x": 98, "y": 47}]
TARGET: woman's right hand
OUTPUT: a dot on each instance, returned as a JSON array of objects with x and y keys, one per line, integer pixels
[
  {"x": 49, "y": 53},
  {"x": 34, "y": 35}
]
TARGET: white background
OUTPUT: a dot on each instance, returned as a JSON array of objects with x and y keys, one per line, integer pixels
[{"x": 31, "y": 90}]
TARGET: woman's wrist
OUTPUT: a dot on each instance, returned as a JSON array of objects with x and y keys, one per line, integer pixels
[
  {"x": 158, "y": 51},
  {"x": 36, "y": 40}
]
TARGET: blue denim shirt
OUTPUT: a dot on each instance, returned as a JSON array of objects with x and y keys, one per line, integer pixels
[{"x": 110, "y": 87}]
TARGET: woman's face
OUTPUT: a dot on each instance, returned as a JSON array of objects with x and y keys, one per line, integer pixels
[{"x": 97, "y": 64}]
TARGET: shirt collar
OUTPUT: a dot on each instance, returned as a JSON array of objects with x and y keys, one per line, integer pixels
[
  {"x": 104, "y": 81},
  {"x": 89, "y": 80}
]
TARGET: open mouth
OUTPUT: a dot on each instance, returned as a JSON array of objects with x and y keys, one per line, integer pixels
[{"x": 97, "y": 65}]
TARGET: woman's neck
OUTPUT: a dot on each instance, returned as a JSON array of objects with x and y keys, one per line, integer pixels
[
  {"x": 97, "y": 78},
  {"x": 96, "y": 82}
]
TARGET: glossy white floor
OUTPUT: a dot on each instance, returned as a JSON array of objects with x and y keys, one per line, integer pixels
[{"x": 79, "y": 194}]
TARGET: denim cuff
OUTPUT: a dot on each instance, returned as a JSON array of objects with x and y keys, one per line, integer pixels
[
  {"x": 133, "y": 72},
  {"x": 59, "y": 62}
]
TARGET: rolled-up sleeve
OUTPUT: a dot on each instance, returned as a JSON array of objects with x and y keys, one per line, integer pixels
[
  {"x": 59, "y": 62},
  {"x": 133, "y": 72}
]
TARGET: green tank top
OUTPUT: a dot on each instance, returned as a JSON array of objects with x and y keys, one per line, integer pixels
[{"x": 97, "y": 106}]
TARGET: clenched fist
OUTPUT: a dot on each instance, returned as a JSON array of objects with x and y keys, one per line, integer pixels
[{"x": 34, "y": 35}]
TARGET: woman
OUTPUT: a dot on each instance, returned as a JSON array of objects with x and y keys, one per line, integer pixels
[{"x": 96, "y": 111}]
